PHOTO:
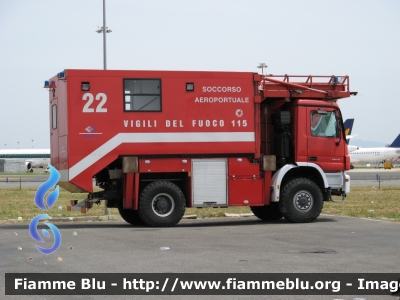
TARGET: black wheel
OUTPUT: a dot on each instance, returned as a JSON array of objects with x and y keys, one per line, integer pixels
[
  {"x": 301, "y": 200},
  {"x": 351, "y": 167},
  {"x": 267, "y": 213},
  {"x": 130, "y": 216},
  {"x": 161, "y": 204}
]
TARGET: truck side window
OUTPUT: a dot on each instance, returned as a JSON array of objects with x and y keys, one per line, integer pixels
[
  {"x": 142, "y": 95},
  {"x": 324, "y": 124},
  {"x": 54, "y": 116}
]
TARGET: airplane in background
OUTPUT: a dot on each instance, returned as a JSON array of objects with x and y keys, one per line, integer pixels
[
  {"x": 378, "y": 154},
  {"x": 348, "y": 127},
  {"x": 34, "y": 158}
]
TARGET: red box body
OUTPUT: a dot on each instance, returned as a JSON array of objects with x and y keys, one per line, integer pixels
[{"x": 196, "y": 115}]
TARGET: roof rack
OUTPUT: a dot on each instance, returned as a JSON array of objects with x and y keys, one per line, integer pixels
[{"x": 305, "y": 86}]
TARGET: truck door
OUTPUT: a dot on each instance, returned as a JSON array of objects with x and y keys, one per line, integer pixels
[{"x": 325, "y": 144}]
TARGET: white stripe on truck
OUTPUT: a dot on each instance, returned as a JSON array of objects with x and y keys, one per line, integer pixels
[{"x": 158, "y": 137}]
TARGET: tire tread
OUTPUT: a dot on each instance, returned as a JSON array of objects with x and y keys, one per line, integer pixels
[
  {"x": 145, "y": 210},
  {"x": 286, "y": 201}
]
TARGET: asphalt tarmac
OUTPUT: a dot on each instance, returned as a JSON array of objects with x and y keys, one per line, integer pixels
[
  {"x": 332, "y": 244},
  {"x": 374, "y": 177}
]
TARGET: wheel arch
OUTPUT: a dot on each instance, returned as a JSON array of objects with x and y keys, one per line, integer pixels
[{"x": 306, "y": 170}]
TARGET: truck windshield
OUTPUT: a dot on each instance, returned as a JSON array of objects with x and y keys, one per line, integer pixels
[{"x": 324, "y": 124}]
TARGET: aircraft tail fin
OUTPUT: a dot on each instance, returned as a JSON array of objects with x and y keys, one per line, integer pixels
[
  {"x": 348, "y": 127},
  {"x": 396, "y": 142}
]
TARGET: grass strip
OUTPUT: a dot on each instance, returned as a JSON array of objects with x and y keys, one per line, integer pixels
[{"x": 363, "y": 202}]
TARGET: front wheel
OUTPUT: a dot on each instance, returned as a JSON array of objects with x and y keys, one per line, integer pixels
[
  {"x": 301, "y": 200},
  {"x": 161, "y": 204}
]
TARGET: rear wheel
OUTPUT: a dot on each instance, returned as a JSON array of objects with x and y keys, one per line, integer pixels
[
  {"x": 161, "y": 204},
  {"x": 301, "y": 200},
  {"x": 267, "y": 213}
]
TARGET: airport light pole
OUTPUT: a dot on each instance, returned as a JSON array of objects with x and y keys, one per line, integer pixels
[
  {"x": 32, "y": 144},
  {"x": 104, "y": 30},
  {"x": 18, "y": 144},
  {"x": 262, "y": 66}
]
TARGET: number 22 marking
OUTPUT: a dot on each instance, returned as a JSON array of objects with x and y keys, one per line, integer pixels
[{"x": 99, "y": 108}]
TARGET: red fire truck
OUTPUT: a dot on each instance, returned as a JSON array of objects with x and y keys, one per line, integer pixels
[{"x": 157, "y": 142}]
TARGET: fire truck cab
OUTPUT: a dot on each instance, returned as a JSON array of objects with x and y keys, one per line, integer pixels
[{"x": 156, "y": 142}]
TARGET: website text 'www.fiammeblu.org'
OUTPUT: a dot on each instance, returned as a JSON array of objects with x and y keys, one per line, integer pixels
[{"x": 200, "y": 284}]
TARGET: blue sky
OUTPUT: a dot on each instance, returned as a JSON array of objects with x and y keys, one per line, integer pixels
[{"x": 359, "y": 38}]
